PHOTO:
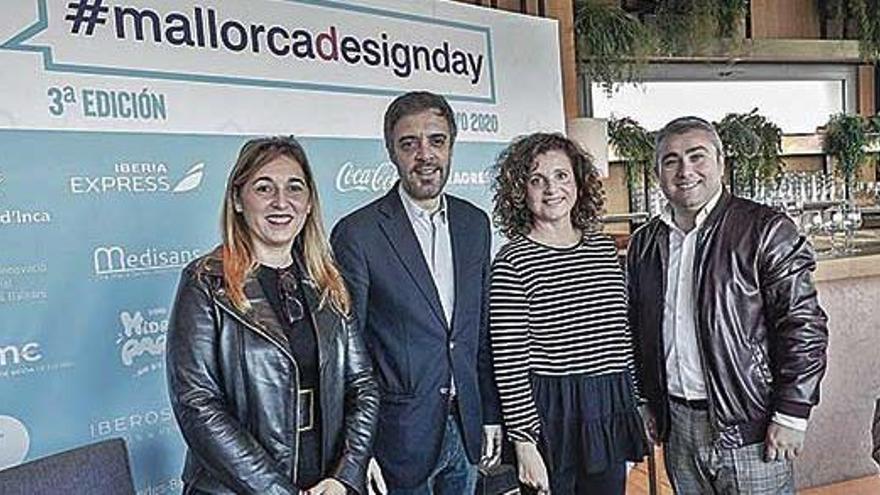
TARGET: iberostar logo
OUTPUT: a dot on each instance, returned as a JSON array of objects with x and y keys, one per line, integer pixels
[{"x": 322, "y": 45}]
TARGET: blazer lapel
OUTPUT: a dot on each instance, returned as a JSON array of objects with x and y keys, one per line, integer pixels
[{"x": 399, "y": 231}]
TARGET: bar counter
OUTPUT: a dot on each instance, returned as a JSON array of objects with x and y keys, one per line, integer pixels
[{"x": 838, "y": 444}]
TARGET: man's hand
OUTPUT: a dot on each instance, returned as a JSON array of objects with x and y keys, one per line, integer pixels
[
  {"x": 782, "y": 443},
  {"x": 375, "y": 481},
  {"x": 650, "y": 424},
  {"x": 491, "y": 446},
  {"x": 530, "y": 467},
  {"x": 328, "y": 486}
]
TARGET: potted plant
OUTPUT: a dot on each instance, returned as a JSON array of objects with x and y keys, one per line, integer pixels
[
  {"x": 635, "y": 146},
  {"x": 845, "y": 139},
  {"x": 752, "y": 145}
]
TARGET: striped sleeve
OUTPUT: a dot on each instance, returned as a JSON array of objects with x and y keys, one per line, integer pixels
[
  {"x": 511, "y": 341},
  {"x": 631, "y": 344}
]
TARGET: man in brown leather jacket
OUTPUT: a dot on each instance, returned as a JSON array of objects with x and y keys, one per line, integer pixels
[{"x": 730, "y": 339}]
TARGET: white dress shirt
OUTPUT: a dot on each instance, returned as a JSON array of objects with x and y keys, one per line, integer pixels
[
  {"x": 432, "y": 232},
  {"x": 684, "y": 367}
]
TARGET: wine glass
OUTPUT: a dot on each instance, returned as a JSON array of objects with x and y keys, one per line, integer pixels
[
  {"x": 832, "y": 223},
  {"x": 852, "y": 221}
]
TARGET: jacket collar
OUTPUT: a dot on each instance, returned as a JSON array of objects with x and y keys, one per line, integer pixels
[
  {"x": 667, "y": 215},
  {"x": 716, "y": 205},
  {"x": 262, "y": 317}
]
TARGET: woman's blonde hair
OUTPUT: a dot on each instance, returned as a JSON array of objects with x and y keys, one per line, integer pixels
[{"x": 311, "y": 245}]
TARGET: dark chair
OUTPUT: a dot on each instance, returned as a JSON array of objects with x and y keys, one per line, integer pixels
[{"x": 98, "y": 469}]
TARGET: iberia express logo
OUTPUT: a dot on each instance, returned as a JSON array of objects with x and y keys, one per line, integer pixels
[{"x": 317, "y": 45}]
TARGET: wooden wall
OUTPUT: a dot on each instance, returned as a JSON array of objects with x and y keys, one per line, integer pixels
[{"x": 785, "y": 19}]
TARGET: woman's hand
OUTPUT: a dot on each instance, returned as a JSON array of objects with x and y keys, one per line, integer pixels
[
  {"x": 375, "y": 481},
  {"x": 531, "y": 468},
  {"x": 327, "y": 486}
]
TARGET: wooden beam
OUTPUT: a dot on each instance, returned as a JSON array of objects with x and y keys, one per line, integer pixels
[
  {"x": 865, "y": 102},
  {"x": 785, "y": 19},
  {"x": 777, "y": 50},
  {"x": 563, "y": 11}
]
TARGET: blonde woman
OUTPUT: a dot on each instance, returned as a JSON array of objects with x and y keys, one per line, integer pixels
[{"x": 270, "y": 385}]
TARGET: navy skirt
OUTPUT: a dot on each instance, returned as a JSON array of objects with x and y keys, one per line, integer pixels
[{"x": 588, "y": 422}]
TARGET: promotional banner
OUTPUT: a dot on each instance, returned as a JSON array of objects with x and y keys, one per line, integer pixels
[{"x": 119, "y": 121}]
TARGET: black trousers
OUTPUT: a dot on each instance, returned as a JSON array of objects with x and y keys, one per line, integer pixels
[{"x": 608, "y": 482}]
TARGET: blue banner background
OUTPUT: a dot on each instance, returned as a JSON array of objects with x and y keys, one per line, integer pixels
[{"x": 95, "y": 365}]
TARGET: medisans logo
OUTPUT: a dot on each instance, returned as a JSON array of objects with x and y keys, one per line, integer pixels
[{"x": 118, "y": 260}]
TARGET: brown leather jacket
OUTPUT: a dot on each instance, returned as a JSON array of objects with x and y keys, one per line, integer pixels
[
  {"x": 234, "y": 389},
  {"x": 761, "y": 332}
]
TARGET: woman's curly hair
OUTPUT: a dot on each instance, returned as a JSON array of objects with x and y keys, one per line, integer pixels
[{"x": 512, "y": 169}]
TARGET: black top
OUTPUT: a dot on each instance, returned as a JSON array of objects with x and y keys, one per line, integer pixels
[{"x": 283, "y": 289}]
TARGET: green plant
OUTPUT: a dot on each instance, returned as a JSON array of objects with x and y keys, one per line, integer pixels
[
  {"x": 859, "y": 18},
  {"x": 612, "y": 45},
  {"x": 874, "y": 124},
  {"x": 752, "y": 145},
  {"x": 686, "y": 27},
  {"x": 869, "y": 29},
  {"x": 845, "y": 140},
  {"x": 730, "y": 13},
  {"x": 635, "y": 145}
]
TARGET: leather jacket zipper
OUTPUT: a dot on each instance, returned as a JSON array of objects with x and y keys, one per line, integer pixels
[
  {"x": 695, "y": 288},
  {"x": 260, "y": 332},
  {"x": 318, "y": 346}
]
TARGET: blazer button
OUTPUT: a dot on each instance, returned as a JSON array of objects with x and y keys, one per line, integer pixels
[
  {"x": 444, "y": 390},
  {"x": 451, "y": 345}
]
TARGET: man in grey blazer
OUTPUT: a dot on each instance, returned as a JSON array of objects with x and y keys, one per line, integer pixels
[{"x": 416, "y": 262}]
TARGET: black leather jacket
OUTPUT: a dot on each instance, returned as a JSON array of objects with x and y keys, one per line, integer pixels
[
  {"x": 234, "y": 390},
  {"x": 761, "y": 332}
]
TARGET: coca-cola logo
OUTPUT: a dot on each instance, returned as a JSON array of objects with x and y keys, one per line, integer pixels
[{"x": 366, "y": 178}]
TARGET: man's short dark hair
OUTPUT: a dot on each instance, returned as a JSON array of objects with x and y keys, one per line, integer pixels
[
  {"x": 682, "y": 125},
  {"x": 412, "y": 103}
]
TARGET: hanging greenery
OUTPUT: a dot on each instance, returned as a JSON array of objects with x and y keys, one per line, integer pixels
[
  {"x": 730, "y": 15},
  {"x": 686, "y": 27},
  {"x": 845, "y": 140},
  {"x": 869, "y": 30},
  {"x": 874, "y": 125},
  {"x": 856, "y": 19},
  {"x": 612, "y": 45},
  {"x": 752, "y": 148},
  {"x": 635, "y": 145}
]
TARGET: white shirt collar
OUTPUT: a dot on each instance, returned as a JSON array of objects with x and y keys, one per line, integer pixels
[
  {"x": 667, "y": 214},
  {"x": 414, "y": 210}
]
